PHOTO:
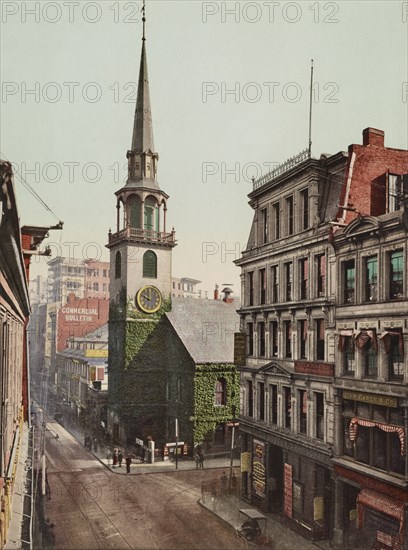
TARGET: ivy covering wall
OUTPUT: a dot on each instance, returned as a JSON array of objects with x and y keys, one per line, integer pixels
[{"x": 207, "y": 415}]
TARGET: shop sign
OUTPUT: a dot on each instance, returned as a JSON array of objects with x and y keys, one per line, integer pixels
[
  {"x": 288, "y": 494},
  {"x": 240, "y": 349},
  {"x": 96, "y": 353},
  {"x": 258, "y": 468},
  {"x": 374, "y": 399},
  {"x": 318, "y": 369},
  {"x": 384, "y": 538},
  {"x": 297, "y": 497},
  {"x": 353, "y": 516},
  {"x": 245, "y": 462},
  {"x": 318, "y": 508},
  {"x": 92, "y": 374}
]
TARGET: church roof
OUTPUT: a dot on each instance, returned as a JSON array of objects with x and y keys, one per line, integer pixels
[
  {"x": 142, "y": 139},
  {"x": 206, "y": 328}
]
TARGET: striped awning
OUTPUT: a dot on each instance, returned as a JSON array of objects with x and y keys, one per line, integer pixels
[
  {"x": 355, "y": 422},
  {"x": 381, "y": 503}
]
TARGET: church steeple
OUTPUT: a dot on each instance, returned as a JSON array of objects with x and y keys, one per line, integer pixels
[{"x": 142, "y": 158}]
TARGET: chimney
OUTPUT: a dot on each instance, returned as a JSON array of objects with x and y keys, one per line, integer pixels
[
  {"x": 228, "y": 299},
  {"x": 216, "y": 292},
  {"x": 374, "y": 137}
]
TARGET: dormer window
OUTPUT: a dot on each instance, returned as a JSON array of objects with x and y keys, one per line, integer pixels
[{"x": 394, "y": 191}]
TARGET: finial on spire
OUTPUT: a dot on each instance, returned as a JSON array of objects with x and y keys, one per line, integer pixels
[{"x": 144, "y": 19}]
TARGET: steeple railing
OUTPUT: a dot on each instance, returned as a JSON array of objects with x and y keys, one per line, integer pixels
[{"x": 137, "y": 235}]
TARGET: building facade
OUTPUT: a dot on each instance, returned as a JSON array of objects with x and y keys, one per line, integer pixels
[
  {"x": 324, "y": 233},
  {"x": 370, "y": 388},
  {"x": 288, "y": 288}
]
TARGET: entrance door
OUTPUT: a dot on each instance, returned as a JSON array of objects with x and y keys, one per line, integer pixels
[{"x": 275, "y": 479}]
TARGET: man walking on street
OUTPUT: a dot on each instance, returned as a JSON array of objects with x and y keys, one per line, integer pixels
[
  {"x": 120, "y": 458},
  {"x": 128, "y": 463}
]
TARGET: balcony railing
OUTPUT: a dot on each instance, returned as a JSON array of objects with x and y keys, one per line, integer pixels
[
  {"x": 282, "y": 168},
  {"x": 131, "y": 233}
]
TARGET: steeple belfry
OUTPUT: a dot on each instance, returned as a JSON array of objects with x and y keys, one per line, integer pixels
[{"x": 142, "y": 158}]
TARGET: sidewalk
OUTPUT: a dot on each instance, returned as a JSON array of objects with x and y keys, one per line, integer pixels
[
  {"x": 227, "y": 508},
  {"x": 137, "y": 467}
]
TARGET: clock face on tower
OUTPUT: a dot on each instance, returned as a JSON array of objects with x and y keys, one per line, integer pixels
[{"x": 148, "y": 299}]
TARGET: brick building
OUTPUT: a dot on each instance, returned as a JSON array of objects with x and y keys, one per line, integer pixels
[{"x": 370, "y": 389}]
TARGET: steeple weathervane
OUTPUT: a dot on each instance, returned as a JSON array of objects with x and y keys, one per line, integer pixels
[{"x": 144, "y": 20}]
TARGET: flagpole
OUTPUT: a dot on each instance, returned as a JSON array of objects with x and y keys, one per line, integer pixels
[{"x": 310, "y": 108}]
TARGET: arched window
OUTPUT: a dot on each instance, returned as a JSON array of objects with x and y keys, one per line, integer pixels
[
  {"x": 135, "y": 206},
  {"x": 118, "y": 265},
  {"x": 150, "y": 264},
  {"x": 220, "y": 393},
  {"x": 151, "y": 217}
]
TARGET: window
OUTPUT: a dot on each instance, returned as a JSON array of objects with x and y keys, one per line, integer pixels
[
  {"x": 303, "y": 339},
  {"x": 371, "y": 279},
  {"x": 396, "y": 275},
  {"x": 264, "y": 218},
  {"x": 250, "y": 339},
  {"x": 261, "y": 401},
  {"x": 288, "y": 339},
  {"x": 174, "y": 285},
  {"x": 118, "y": 265},
  {"x": 369, "y": 351},
  {"x": 250, "y": 402},
  {"x": 287, "y": 403},
  {"x": 305, "y": 208},
  {"x": 251, "y": 288},
  {"x": 274, "y": 403},
  {"x": 276, "y": 220},
  {"x": 262, "y": 286},
  {"x": 275, "y": 283},
  {"x": 105, "y": 273},
  {"x": 289, "y": 214},
  {"x": 220, "y": 393},
  {"x": 393, "y": 345},
  {"x": 394, "y": 192},
  {"x": 302, "y": 408},
  {"x": 261, "y": 337},
  {"x": 96, "y": 287},
  {"x": 319, "y": 402},
  {"x": 349, "y": 357},
  {"x": 150, "y": 264},
  {"x": 274, "y": 338},
  {"x": 349, "y": 281},
  {"x": 321, "y": 274},
  {"x": 377, "y": 444},
  {"x": 320, "y": 327},
  {"x": 150, "y": 214},
  {"x": 288, "y": 280},
  {"x": 304, "y": 275},
  {"x": 104, "y": 287}
]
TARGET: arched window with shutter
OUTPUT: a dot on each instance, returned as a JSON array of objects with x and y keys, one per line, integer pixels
[{"x": 150, "y": 264}]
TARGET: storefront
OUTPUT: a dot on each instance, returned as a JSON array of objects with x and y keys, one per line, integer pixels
[{"x": 284, "y": 477}]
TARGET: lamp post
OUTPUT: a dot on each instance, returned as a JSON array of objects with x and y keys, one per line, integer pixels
[{"x": 177, "y": 434}]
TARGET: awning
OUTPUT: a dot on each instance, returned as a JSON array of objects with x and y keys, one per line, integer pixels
[
  {"x": 355, "y": 422},
  {"x": 364, "y": 336},
  {"x": 386, "y": 339},
  {"x": 342, "y": 338},
  {"x": 381, "y": 503}
]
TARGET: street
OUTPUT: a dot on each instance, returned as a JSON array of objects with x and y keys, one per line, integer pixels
[{"x": 92, "y": 507}]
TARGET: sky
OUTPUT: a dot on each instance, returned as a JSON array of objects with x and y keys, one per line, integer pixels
[{"x": 229, "y": 84}]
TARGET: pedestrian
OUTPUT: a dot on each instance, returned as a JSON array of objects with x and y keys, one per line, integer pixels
[
  {"x": 120, "y": 458},
  {"x": 143, "y": 453},
  {"x": 115, "y": 457},
  {"x": 128, "y": 463},
  {"x": 197, "y": 460},
  {"x": 201, "y": 457},
  {"x": 108, "y": 457},
  {"x": 224, "y": 481},
  {"x": 95, "y": 444}
]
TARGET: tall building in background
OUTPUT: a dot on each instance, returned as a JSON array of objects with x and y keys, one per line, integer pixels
[{"x": 85, "y": 278}]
